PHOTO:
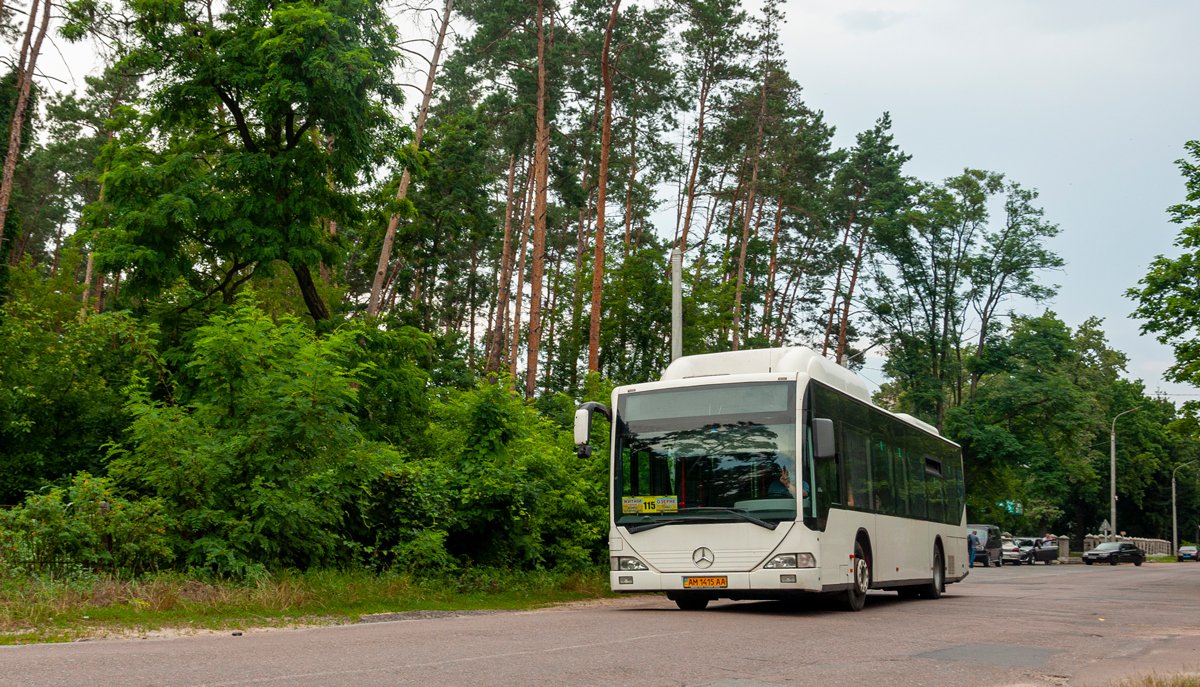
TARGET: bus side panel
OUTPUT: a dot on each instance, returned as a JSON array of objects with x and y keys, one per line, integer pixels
[
  {"x": 902, "y": 549},
  {"x": 837, "y": 543},
  {"x": 954, "y": 546}
]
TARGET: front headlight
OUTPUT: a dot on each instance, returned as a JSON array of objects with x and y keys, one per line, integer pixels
[
  {"x": 627, "y": 563},
  {"x": 791, "y": 560}
]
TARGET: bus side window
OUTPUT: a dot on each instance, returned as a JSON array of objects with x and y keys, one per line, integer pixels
[
  {"x": 900, "y": 470},
  {"x": 825, "y": 470},
  {"x": 857, "y": 448},
  {"x": 882, "y": 482},
  {"x": 934, "y": 488},
  {"x": 916, "y": 474}
]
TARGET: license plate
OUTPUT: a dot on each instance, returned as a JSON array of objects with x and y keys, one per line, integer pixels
[{"x": 705, "y": 582}]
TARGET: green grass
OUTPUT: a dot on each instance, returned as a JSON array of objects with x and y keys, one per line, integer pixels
[
  {"x": 43, "y": 610},
  {"x": 1162, "y": 680}
]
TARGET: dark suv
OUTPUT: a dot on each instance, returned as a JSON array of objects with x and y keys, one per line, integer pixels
[{"x": 989, "y": 551}]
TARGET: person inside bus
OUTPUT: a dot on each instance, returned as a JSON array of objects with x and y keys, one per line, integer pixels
[{"x": 783, "y": 487}]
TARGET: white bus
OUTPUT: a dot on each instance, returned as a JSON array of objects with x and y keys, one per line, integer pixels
[{"x": 767, "y": 474}]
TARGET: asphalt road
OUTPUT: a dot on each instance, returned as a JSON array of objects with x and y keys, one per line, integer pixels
[{"x": 1041, "y": 625}]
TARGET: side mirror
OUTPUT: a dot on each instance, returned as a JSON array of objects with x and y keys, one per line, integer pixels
[
  {"x": 583, "y": 425},
  {"x": 824, "y": 443}
]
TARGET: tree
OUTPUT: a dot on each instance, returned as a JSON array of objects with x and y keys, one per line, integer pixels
[
  {"x": 385, "y": 252},
  {"x": 26, "y": 67},
  {"x": 1169, "y": 297},
  {"x": 602, "y": 192},
  {"x": 712, "y": 46},
  {"x": 869, "y": 189},
  {"x": 268, "y": 116},
  {"x": 942, "y": 264}
]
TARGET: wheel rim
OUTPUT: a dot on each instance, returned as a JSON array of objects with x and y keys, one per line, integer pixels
[{"x": 860, "y": 576}]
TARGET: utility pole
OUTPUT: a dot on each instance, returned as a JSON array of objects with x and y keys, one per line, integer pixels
[
  {"x": 1174, "y": 517},
  {"x": 676, "y": 305},
  {"x": 1112, "y": 486}
]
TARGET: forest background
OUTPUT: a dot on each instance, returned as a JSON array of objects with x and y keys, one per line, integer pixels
[{"x": 255, "y": 317}]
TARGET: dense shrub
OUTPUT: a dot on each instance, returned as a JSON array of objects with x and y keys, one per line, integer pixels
[
  {"x": 263, "y": 445},
  {"x": 522, "y": 496},
  {"x": 60, "y": 384},
  {"x": 88, "y": 524},
  {"x": 259, "y": 467}
]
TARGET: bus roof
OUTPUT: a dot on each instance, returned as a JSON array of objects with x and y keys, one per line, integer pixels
[{"x": 787, "y": 360}]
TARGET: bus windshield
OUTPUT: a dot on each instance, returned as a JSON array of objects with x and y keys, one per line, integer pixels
[{"x": 709, "y": 453}]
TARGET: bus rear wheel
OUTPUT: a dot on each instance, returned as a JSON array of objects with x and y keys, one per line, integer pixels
[
  {"x": 934, "y": 589},
  {"x": 855, "y": 597}
]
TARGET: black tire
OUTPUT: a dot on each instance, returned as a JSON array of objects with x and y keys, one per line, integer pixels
[
  {"x": 691, "y": 603},
  {"x": 1138, "y": 563},
  {"x": 855, "y": 597},
  {"x": 934, "y": 589},
  {"x": 1087, "y": 562},
  {"x": 1113, "y": 561}
]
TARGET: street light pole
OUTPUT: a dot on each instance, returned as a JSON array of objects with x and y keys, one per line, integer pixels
[
  {"x": 1112, "y": 487},
  {"x": 1174, "y": 520}
]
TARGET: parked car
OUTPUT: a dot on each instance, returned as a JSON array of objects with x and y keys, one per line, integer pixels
[
  {"x": 1037, "y": 551},
  {"x": 1115, "y": 552},
  {"x": 1189, "y": 553},
  {"x": 989, "y": 551},
  {"x": 1010, "y": 552}
]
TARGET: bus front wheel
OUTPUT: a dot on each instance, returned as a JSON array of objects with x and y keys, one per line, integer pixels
[
  {"x": 855, "y": 597},
  {"x": 691, "y": 603}
]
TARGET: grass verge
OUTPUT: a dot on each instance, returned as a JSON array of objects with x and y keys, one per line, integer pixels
[
  {"x": 45, "y": 610},
  {"x": 1162, "y": 680}
]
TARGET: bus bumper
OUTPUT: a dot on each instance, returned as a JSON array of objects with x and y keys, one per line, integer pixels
[{"x": 775, "y": 581}]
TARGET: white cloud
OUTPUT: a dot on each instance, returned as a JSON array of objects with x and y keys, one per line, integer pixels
[{"x": 870, "y": 21}]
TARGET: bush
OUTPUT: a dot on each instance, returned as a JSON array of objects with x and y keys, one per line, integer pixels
[
  {"x": 60, "y": 391},
  {"x": 87, "y": 526},
  {"x": 522, "y": 498},
  {"x": 258, "y": 469}
]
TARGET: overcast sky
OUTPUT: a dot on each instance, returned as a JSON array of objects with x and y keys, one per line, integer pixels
[{"x": 1088, "y": 102}]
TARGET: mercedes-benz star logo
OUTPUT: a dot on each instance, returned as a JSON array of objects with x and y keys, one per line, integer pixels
[{"x": 703, "y": 557}]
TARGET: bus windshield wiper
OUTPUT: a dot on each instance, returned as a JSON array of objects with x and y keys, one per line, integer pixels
[
  {"x": 734, "y": 511},
  {"x": 633, "y": 529}
]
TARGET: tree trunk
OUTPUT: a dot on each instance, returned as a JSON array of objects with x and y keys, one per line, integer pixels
[
  {"x": 506, "y": 260},
  {"x": 99, "y": 308},
  {"x": 601, "y": 195},
  {"x": 553, "y": 310},
  {"x": 841, "y": 349},
  {"x": 582, "y": 237},
  {"x": 25, "y": 72},
  {"x": 57, "y": 240},
  {"x": 741, "y": 274},
  {"x": 308, "y": 289},
  {"x": 837, "y": 284},
  {"x": 385, "y": 253},
  {"x": 773, "y": 265},
  {"x": 471, "y": 306},
  {"x": 705, "y": 85},
  {"x": 539, "y": 211},
  {"x": 519, "y": 295},
  {"x": 632, "y": 181},
  {"x": 87, "y": 287}
]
